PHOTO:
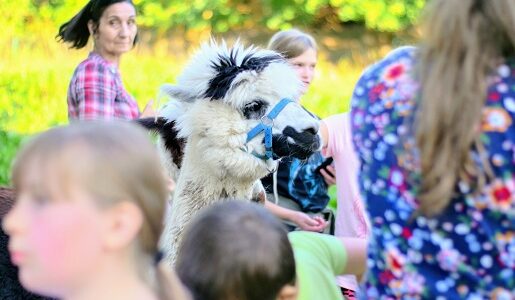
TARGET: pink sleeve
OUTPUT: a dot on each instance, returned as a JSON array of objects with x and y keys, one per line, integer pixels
[
  {"x": 340, "y": 147},
  {"x": 351, "y": 218},
  {"x": 338, "y": 134}
]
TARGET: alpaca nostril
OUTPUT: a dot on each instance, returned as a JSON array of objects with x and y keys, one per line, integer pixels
[{"x": 311, "y": 130}]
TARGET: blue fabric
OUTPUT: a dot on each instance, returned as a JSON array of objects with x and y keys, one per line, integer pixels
[{"x": 297, "y": 180}]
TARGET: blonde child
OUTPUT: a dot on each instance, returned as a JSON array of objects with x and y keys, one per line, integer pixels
[
  {"x": 296, "y": 186},
  {"x": 88, "y": 215},
  {"x": 300, "y": 49}
]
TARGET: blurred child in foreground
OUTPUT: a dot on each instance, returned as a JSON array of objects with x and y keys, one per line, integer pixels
[{"x": 89, "y": 213}]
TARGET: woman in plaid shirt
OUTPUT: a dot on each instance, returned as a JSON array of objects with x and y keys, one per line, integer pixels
[{"x": 96, "y": 90}]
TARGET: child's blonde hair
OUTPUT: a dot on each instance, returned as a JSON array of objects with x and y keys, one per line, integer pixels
[
  {"x": 113, "y": 162},
  {"x": 292, "y": 43}
]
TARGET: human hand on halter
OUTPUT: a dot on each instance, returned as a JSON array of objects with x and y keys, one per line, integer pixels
[
  {"x": 329, "y": 174},
  {"x": 308, "y": 223}
]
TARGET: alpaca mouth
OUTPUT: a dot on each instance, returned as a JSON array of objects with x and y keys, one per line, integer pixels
[{"x": 304, "y": 144}]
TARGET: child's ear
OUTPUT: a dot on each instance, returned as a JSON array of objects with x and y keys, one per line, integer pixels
[
  {"x": 124, "y": 221},
  {"x": 288, "y": 292}
]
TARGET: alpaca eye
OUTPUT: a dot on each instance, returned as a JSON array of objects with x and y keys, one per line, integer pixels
[
  {"x": 255, "y": 109},
  {"x": 253, "y": 106}
]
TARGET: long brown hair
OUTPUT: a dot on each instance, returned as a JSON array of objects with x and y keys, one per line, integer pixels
[
  {"x": 464, "y": 41},
  {"x": 114, "y": 162}
]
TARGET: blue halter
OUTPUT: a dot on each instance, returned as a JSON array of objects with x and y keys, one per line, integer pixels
[{"x": 266, "y": 123}]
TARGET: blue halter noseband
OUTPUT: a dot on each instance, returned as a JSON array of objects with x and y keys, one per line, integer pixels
[{"x": 266, "y": 123}]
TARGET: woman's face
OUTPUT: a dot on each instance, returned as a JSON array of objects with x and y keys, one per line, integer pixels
[
  {"x": 116, "y": 30},
  {"x": 305, "y": 65}
]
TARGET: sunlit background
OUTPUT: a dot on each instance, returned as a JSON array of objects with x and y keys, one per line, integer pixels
[{"x": 35, "y": 69}]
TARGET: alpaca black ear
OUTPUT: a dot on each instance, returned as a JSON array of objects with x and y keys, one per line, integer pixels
[
  {"x": 151, "y": 123},
  {"x": 166, "y": 129}
]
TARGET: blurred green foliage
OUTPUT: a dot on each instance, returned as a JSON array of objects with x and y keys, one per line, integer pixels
[
  {"x": 9, "y": 144},
  {"x": 220, "y": 16}
]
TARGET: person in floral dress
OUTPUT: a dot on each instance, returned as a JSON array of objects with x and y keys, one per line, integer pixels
[{"x": 434, "y": 130}]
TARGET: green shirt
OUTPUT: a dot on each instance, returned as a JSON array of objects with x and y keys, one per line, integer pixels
[{"x": 318, "y": 259}]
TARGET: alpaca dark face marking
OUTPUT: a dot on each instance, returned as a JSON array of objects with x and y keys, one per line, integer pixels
[
  {"x": 227, "y": 69},
  {"x": 255, "y": 109}
]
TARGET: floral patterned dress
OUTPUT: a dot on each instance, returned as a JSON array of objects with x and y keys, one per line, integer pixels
[{"x": 466, "y": 252}]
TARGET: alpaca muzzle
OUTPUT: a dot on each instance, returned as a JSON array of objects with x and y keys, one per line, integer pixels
[{"x": 304, "y": 144}]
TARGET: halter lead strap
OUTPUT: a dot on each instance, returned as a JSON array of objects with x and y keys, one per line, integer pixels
[{"x": 265, "y": 125}]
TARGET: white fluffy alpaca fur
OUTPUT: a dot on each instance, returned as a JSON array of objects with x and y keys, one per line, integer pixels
[{"x": 214, "y": 167}]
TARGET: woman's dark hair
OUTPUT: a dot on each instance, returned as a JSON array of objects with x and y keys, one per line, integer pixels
[
  {"x": 75, "y": 31},
  {"x": 236, "y": 250}
]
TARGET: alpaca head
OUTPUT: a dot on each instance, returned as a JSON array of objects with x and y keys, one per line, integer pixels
[{"x": 225, "y": 92}]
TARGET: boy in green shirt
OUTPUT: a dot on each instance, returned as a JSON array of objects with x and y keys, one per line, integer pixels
[
  {"x": 318, "y": 259},
  {"x": 239, "y": 251}
]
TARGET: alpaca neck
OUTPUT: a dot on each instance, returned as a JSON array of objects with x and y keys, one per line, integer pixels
[{"x": 215, "y": 182}]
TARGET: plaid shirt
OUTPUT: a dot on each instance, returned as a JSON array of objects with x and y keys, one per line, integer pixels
[{"x": 96, "y": 92}]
